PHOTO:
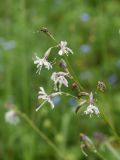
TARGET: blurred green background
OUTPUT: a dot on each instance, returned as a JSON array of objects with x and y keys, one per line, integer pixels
[{"x": 92, "y": 30}]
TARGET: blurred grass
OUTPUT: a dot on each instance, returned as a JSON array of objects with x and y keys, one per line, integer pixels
[{"x": 99, "y": 33}]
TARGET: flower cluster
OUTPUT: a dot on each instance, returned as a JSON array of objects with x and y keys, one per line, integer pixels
[
  {"x": 40, "y": 62},
  {"x": 60, "y": 78}
]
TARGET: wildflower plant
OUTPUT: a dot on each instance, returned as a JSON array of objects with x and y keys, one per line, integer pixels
[
  {"x": 61, "y": 78},
  {"x": 66, "y": 78},
  {"x": 47, "y": 98}
]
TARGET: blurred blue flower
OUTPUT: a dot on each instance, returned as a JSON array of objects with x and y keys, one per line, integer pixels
[
  {"x": 72, "y": 102},
  {"x": 85, "y": 48},
  {"x": 113, "y": 79},
  {"x": 118, "y": 64},
  {"x": 85, "y": 17},
  {"x": 56, "y": 100},
  {"x": 86, "y": 75},
  {"x": 9, "y": 45}
]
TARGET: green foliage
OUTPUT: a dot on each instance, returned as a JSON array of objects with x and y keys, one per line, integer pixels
[{"x": 92, "y": 30}]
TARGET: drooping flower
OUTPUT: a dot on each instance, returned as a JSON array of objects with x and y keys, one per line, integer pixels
[
  {"x": 59, "y": 78},
  {"x": 40, "y": 62},
  {"x": 47, "y": 98},
  {"x": 12, "y": 117},
  {"x": 92, "y": 109},
  {"x": 64, "y": 49}
]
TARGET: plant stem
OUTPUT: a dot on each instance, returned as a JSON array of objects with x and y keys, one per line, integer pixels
[
  {"x": 110, "y": 125},
  {"x": 67, "y": 94},
  {"x": 41, "y": 134},
  {"x": 99, "y": 155},
  {"x": 74, "y": 77},
  {"x": 81, "y": 87}
]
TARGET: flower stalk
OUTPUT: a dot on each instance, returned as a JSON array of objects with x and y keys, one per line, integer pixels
[{"x": 41, "y": 134}]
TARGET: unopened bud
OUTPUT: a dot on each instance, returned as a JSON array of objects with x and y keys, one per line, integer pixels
[
  {"x": 74, "y": 86},
  {"x": 44, "y": 30},
  {"x": 91, "y": 98},
  {"x": 86, "y": 143},
  {"x": 101, "y": 86},
  {"x": 82, "y": 94},
  {"x": 47, "y": 53},
  {"x": 63, "y": 64}
]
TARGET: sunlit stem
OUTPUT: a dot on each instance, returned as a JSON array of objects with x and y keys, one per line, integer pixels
[
  {"x": 41, "y": 105},
  {"x": 67, "y": 94}
]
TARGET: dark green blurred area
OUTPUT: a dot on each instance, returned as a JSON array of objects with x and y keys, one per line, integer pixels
[{"x": 92, "y": 30}]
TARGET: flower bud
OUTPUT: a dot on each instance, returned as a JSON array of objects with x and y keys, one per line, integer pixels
[
  {"x": 63, "y": 64},
  {"x": 101, "y": 86},
  {"x": 86, "y": 144},
  {"x": 44, "y": 30},
  {"x": 82, "y": 94}
]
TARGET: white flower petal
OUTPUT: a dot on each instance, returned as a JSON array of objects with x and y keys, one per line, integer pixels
[
  {"x": 70, "y": 50},
  {"x": 42, "y": 62},
  {"x": 11, "y": 117},
  {"x": 60, "y": 52},
  {"x": 47, "y": 98},
  {"x": 63, "y": 49},
  {"x": 52, "y": 104},
  {"x": 91, "y": 109},
  {"x": 59, "y": 78}
]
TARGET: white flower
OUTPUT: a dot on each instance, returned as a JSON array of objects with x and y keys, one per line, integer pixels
[
  {"x": 59, "y": 78},
  {"x": 63, "y": 49},
  {"x": 47, "y": 98},
  {"x": 11, "y": 117},
  {"x": 91, "y": 109},
  {"x": 42, "y": 62}
]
